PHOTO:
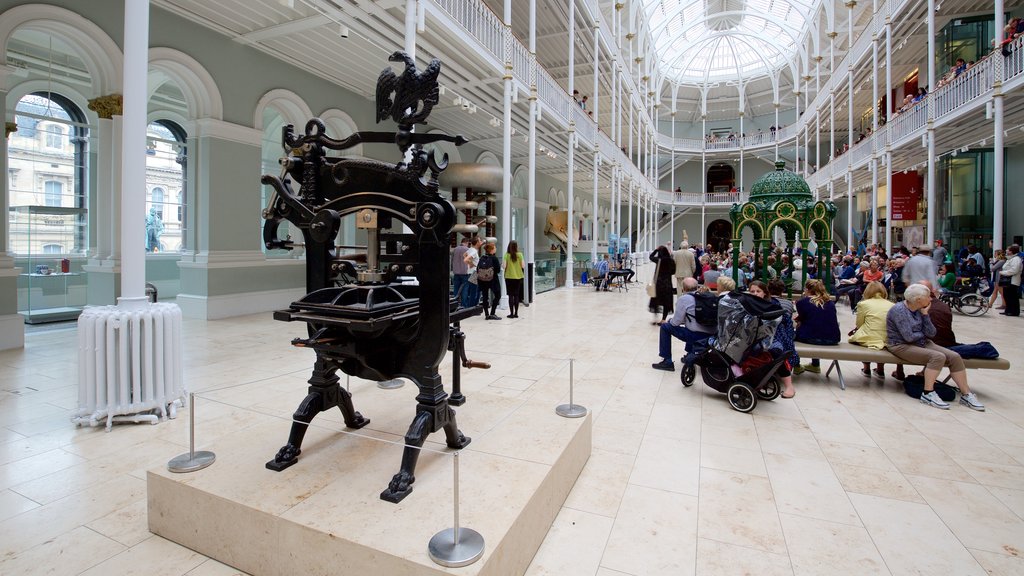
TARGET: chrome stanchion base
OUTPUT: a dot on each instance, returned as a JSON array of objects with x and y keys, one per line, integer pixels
[
  {"x": 571, "y": 411},
  {"x": 191, "y": 462},
  {"x": 392, "y": 384},
  {"x": 444, "y": 550}
]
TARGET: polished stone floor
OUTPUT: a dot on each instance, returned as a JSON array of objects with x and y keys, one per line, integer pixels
[{"x": 861, "y": 481}]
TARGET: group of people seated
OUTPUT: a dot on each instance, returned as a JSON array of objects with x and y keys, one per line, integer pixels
[{"x": 917, "y": 329}]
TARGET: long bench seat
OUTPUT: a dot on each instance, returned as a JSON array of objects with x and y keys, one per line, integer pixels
[{"x": 854, "y": 353}]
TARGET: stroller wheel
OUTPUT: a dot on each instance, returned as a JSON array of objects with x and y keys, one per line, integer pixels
[
  {"x": 688, "y": 375},
  {"x": 770, "y": 391},
  {"x": 741, "y": 397}
]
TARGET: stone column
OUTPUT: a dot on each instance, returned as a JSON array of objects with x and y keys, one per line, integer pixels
[
  {"x": 104, "y": 266},
  {"x": 12, "y": 326}
]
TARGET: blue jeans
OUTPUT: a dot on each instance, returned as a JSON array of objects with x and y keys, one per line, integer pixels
[
  {"x": 470, "y": 295},
  {"x": 682, "y": 332},
  {"x": 458, "y": 281}
]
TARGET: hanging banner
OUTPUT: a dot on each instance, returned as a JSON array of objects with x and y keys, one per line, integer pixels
[{"x": 906, "y": 195}]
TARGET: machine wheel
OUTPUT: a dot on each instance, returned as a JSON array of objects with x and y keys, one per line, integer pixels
[
  {"x": 973, "y": 304},
  {"x": 742, "y": 397},
  {"x": 688, "y": 375},
  {"x": 771, "y": 390}
]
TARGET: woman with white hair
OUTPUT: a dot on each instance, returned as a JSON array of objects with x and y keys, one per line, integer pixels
[{"x": 909, "y": 332}]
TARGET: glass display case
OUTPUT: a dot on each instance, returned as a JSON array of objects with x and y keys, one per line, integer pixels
[
  {"x": 46, "y": 242},
  {"x": 549, "y": 269}
]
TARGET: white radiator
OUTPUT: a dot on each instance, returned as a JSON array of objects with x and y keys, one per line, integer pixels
[{"x": 129, "y": 364}]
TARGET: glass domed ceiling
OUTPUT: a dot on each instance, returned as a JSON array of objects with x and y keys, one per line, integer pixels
[{"x": 702, "y": 41}]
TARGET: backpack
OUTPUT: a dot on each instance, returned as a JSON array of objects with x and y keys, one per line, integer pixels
[
  {"x": 913, "y": 385},
  {"x": 705, "y": 311},
  {"x": 485, "y": 269}
]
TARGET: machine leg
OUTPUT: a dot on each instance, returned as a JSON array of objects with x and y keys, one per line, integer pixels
[
  {"x": 453, "y": 436},
  {"x": 289, "y": 453},
  {"x": 401, "y": 483},
  {"x": 324, "y": 393}
]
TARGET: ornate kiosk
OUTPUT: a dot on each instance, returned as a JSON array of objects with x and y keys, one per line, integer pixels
[{"x": 783, "y": 199}]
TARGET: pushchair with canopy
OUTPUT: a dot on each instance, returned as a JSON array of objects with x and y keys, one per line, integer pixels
[{"x": 739, "y": 361}]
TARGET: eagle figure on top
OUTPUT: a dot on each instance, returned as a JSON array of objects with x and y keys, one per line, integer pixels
[{"x": 409, "y": 97}]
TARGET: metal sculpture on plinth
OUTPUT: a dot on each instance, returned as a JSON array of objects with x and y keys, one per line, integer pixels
[{"x": 362, "y": 319}]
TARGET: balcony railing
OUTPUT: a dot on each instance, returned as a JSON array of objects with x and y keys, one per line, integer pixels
[
  {"x": 486, "y": 28},
  {"x": 696, "y": 198},
  {"x": 479, "y": 22}
]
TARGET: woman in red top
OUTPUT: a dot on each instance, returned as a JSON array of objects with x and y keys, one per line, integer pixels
[{"x": 873, "y": 273}]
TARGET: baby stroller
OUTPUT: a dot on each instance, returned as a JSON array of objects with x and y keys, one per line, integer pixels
[{"x": 739, "y": 361}]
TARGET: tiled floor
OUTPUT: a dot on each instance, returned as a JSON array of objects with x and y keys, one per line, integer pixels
[{"x": 862, "y": 481}]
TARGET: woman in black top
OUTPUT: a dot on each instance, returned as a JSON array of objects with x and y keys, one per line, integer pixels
[
  {"x": 663, "y": 292},
  {"x": 490, "y": 288}
]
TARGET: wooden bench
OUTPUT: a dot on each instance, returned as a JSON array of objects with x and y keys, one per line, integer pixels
[{"x": 855, "y": 353}]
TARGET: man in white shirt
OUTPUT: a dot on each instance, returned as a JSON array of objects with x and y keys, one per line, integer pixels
[{"x": 471, "y": 295}]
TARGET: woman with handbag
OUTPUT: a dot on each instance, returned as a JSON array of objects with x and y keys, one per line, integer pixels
[
  {"x": 1009, "y": 279},
  {"x": 660, "y": 290},
  {"x": 488, "y": 281},
  {"x": 998, "y": 260}
]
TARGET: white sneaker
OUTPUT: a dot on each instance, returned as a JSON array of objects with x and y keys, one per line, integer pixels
[
  {"x": 971, "y": 401},
  {"x": 932, "y": 399}
]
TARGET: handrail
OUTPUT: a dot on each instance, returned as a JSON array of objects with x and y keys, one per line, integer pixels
[
  {"x": 696, "y": 198},
  {"x": 486, "y": 27},
  {"x": 481, "y": 23}
]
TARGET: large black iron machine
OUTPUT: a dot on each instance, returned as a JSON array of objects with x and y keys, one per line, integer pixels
[{"x": 375, "y": 327}]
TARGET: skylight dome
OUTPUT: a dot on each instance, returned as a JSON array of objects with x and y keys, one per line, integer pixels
[{"x": 707, "y": 41}]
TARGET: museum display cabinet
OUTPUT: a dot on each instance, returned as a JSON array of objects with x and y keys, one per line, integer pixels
[{"x": 45, "y": 241}]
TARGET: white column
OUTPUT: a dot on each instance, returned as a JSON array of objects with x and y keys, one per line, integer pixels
[
  {"x": 572, "y": 148},
  {"x": 888, "y": 138},
  {"x": 932, "y": 208},
  {"x": 741, "y": 149},
  {"x": 831, "y": 107},
  {"x": 796, "y": 132},
  {"x": 133, "y": 165},
  {"x": 998, "y": 239},
  {"x": 530, "y": 242},
  {"x": 672, "y": 176},
  {"x": 778, "y": 131},
  {"x": 817, "y": 138},
  {"x": 506, "y": 146},
  {"x": 873, "y": 209},
  {"x": 629, "y": 150},
  {"x": 704, "y": 172},
  {"x": 851, "y": 206},
  {"x": 410, "y": 28},
  {"x": 595, "y": 106}
]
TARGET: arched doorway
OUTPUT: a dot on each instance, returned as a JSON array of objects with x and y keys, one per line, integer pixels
[
  {"x": 718, "y": 235},
  {"x": 721, "y": 178}
]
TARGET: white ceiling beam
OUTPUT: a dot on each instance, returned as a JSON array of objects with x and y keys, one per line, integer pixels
[{"x": 283, "y": 29}]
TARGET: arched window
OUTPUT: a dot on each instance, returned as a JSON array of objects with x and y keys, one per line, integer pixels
[
  {"x": 271, "y": 151},
  {"x": 47, "y": 160},
  {"x": 165, "y": 178},
  {"x": 53, "y": 249}
]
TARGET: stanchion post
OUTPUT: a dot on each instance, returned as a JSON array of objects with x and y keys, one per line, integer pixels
[
  {"x": 456, "y": 546},
  {"x": 571, "y": 410},
  {"x": 192, "y": 461}
]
